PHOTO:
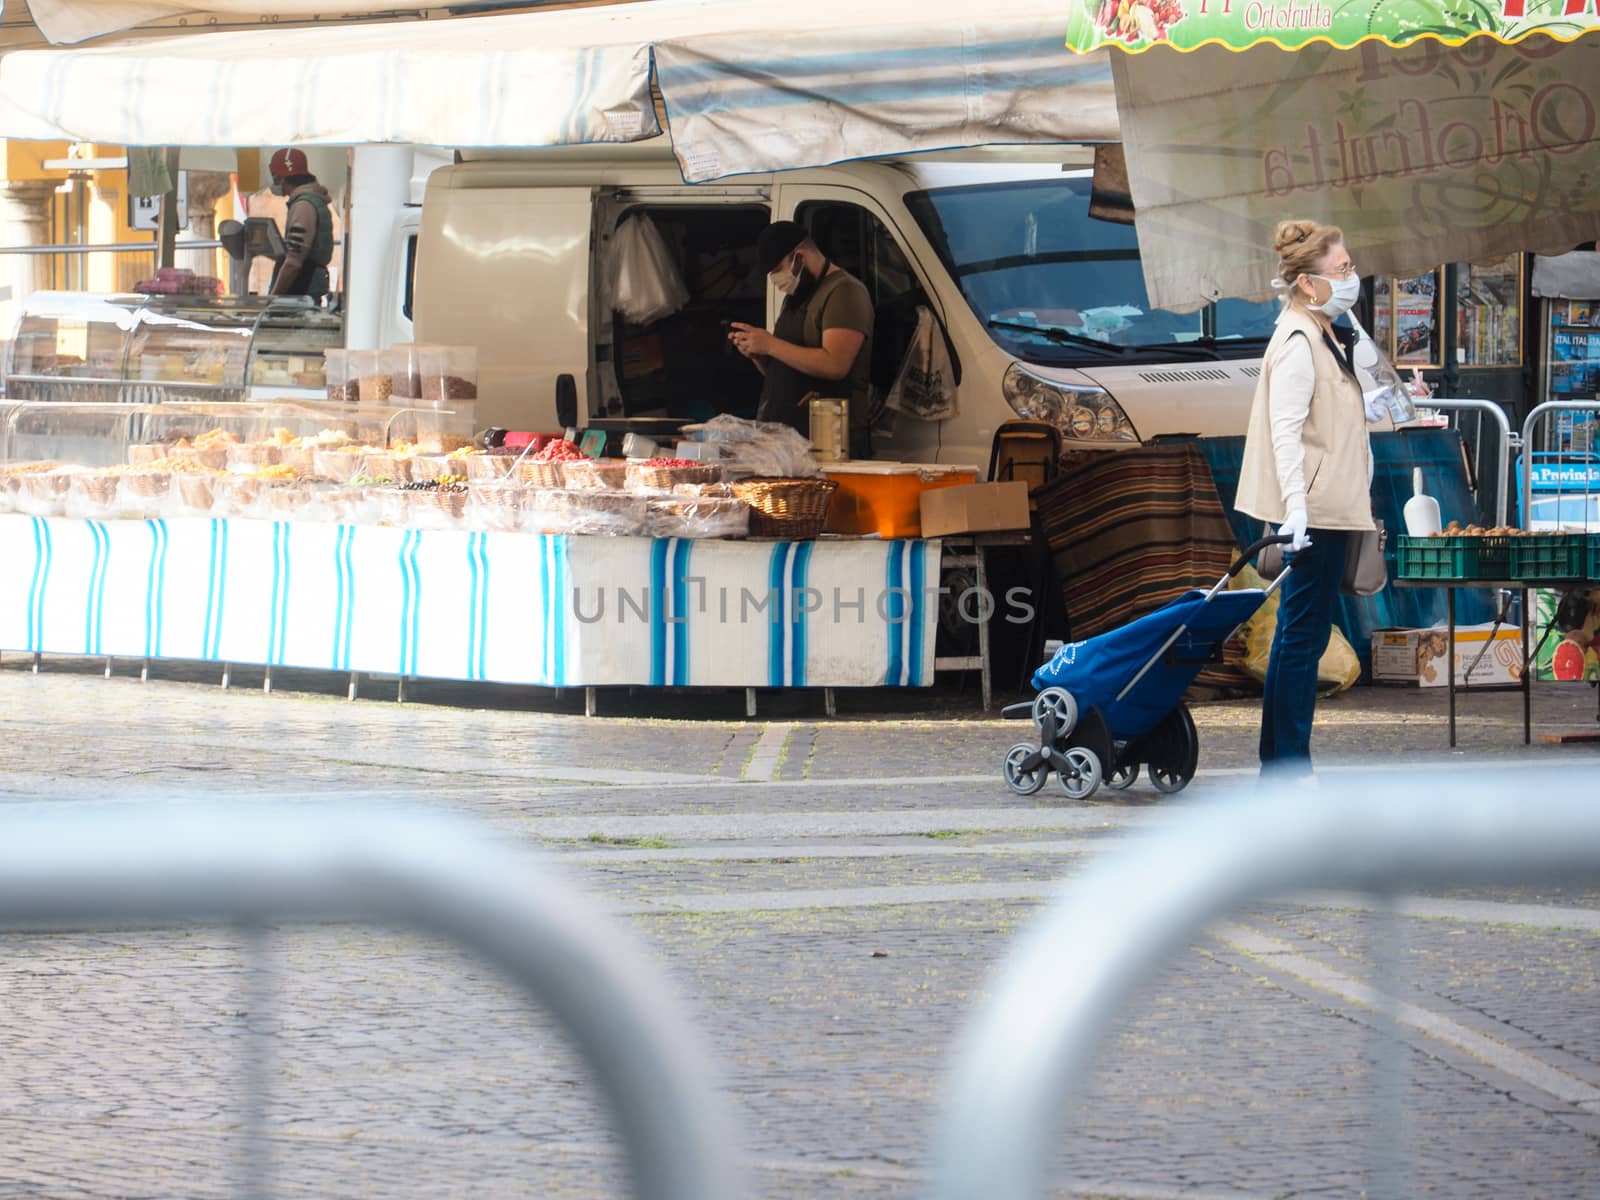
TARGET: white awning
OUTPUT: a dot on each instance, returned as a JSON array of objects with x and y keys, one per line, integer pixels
[
  {"x": 1422, "y": 156},
  {"x": 749, "y": 85}
]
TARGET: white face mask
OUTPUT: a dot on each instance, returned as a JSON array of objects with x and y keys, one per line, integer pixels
[
  {"x": 787, "y": 281},
  {"x": 1345, "y": 292}
]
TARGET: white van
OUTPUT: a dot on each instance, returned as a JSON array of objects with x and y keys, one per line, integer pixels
[{"x": 1043, "y": 307}]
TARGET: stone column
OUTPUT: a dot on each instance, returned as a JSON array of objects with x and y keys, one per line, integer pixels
[
  {"x": 205, "y": 189},
  {"x": 24, "y": 221}
]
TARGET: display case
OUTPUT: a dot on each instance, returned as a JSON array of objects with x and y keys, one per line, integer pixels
[{"x": 111, "y": 349}]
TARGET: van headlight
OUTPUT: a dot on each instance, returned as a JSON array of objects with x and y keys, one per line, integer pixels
[{"x": 1086, "y": 413}]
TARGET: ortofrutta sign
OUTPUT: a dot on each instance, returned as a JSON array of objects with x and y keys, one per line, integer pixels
[{"x": 1136, "y": 25}]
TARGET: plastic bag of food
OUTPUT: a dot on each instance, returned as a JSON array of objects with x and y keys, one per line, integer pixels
[
  {"x": 699, "y": 517},
  {"x": 496, "y": 507},
  {"x": 1339, "y": 668},
  {"x": 760, "y": 447}
]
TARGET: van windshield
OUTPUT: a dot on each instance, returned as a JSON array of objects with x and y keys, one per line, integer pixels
[{"x": 1027, "y": 254}]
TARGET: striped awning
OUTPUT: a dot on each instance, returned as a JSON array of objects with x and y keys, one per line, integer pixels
[{"x": 748, "y": 85}]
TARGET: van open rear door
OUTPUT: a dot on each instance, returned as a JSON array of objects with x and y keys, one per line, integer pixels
[{"x": 506, "y": 269}]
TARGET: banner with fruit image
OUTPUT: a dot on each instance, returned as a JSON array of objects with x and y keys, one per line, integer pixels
[
  {"x": 1136, "y": 25},
  {"x": 1569, "y": 625}
]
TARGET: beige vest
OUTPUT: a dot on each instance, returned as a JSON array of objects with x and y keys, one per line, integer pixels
[{"x": 1338, "y": 483}]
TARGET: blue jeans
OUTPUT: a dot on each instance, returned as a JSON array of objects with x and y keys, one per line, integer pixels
[{"x": 1306, "y": 606}]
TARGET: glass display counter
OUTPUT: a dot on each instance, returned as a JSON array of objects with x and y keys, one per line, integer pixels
[{"x": 122, "y": 349}]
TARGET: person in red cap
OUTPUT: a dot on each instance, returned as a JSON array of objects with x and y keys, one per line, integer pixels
[{"x": 308, "y": 228}]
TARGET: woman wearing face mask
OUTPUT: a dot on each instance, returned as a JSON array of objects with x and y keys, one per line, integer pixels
[
  {"x": 1308, "y": 468},
  {"x": 822, "y": 339}
]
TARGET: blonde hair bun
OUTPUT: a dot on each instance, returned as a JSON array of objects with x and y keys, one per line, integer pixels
[
  {"x": 1301, "y": 246},
  {"x": 1290, "y": 234}
]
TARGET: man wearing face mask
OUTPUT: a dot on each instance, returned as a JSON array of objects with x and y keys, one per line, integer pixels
[
  {"x": 1308, "y": 467},
  {"x": 822, "y": 339},
  {"x": 308, "y": 228}
]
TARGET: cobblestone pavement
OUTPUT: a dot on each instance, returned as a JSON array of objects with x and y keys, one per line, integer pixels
[{"x": 830, "y": 898}]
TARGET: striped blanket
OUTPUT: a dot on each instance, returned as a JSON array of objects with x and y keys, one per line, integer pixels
[{"x": 1129, "y": 531}]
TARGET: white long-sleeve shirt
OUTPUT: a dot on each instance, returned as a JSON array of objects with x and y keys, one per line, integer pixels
[{"x": 1292, "y": 381}]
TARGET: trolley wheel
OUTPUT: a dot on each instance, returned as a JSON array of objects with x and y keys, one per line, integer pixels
[
  {"x": 1174, "y": 751},
  {"x": 1057, "y": 702},
  {"x": 1081, "y": 775},
  {"x": 1023, "y": 780},
  {"x": 1123, "y": 777},
  {"x": 1166, "y": 780}
]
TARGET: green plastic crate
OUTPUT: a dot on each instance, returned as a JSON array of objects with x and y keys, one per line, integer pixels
[
  {"x": 1592, "y": 574},
  {"x": 1549, "y": 556},
  {"x": 1458, "y": 556}
]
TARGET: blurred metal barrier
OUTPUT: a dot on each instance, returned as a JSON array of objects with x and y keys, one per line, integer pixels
[
  {"x": 138, "y": 864},
  {"x": 1459, "y": 408},
  {"x": 1029, "y": 1051},
  {"x": 1531, "y": 445}
]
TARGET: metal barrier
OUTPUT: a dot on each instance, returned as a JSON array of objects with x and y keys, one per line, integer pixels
[
  {"x": 1525, "y": 460},
  {"x": 1503, "y": 455},
  {"x": 1030, "y": 1049},
  {"x": 138, "y": 864}
]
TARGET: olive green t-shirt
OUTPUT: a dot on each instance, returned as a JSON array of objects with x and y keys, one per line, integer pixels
[{"x": 841, "y": 301}]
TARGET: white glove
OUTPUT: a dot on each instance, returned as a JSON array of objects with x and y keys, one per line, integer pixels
[{"x": 1294, "y": 523}]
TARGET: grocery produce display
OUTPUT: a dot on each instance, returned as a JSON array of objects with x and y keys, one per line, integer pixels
[
  {"x": 334, "y": 476},
  {"x": 1498, "y": 553}
]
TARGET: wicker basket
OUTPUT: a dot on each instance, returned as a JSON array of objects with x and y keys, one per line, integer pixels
[
  {"x": 249, "y": 457},
  {"x": 595, "y": 474},
  {"x": 794, "y": 509},
  {"x": 486, "y": 468},
  {"x": 383, "y": 464},
  {"x": 664, "y": 479},
  {"x": 302, "y": 458},
  {"x": 214, "y": 458},
  {"x": 195, "y": 491},
  {"x": 97, "y": 488},
  {"x": 337, "y": 465},
  {"x": 543, "y": 474}
]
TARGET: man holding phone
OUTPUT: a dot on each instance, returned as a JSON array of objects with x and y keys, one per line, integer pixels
[{"x": 821, "y": 342}]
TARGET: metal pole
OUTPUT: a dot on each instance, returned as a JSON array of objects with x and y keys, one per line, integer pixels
[{"x": 169, "y": 214}]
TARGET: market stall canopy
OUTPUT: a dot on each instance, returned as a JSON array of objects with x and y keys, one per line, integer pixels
[
  {"x": 1428, "y": 131},
  {"x": 748, "y": 85}
]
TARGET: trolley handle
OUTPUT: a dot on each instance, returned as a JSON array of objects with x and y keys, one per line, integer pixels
[{"x": 1255, "y": 548}]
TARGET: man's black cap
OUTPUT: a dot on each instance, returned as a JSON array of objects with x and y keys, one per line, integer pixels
[{"x": 776, "y": 242}]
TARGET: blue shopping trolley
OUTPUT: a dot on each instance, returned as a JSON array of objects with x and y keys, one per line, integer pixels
[{"x": 1114, "y": 703}]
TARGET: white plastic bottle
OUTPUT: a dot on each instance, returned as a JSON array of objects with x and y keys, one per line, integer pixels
[{"x": 1422, "y": 510}]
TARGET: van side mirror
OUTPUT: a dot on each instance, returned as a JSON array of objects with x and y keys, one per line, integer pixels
[{"x": 566, "y": 401}]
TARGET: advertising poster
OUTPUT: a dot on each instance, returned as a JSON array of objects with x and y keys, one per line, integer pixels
[
  {"x": 1416, "y": 320},
  {"x": 1574, "y": 363}
]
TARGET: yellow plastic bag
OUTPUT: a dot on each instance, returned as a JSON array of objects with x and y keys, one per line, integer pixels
[{"x": 1339, "y": 668}]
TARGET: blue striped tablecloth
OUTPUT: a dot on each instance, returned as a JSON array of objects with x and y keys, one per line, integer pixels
[{"x": 505, "y": 607}]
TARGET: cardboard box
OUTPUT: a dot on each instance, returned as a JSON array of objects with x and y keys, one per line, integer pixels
[
  {"x": 975, "y": 508},
  {"x": 1416, "y": 656}
]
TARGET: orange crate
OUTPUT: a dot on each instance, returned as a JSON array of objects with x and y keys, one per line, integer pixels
[{"x": 885, "y": 498}]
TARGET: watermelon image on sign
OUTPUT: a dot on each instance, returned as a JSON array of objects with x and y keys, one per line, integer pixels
[{"x": 1566, "y": 663}]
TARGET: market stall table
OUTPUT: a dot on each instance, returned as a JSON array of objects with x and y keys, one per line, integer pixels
[
  {"x": 551, "y": 610},
  {"x": 1525, "y": 682}
]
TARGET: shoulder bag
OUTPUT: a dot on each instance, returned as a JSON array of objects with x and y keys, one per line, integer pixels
[{"x": 1365, "y": 572}]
